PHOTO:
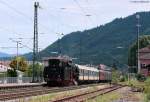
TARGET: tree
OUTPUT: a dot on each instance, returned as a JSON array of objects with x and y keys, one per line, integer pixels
[
  {"x": 114, "y": 66},
  {"x": 115, "y": 75},
  {"x": 11, "y": 73},
  {"x": 132, "y": 54},
  {"x": 22, "y": 64},
  {"x": 29, "y": 72},
  {"x": 38, "y": 71}
]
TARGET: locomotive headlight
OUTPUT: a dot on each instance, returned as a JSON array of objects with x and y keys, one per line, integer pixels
[{"x": 60, "y": 64}]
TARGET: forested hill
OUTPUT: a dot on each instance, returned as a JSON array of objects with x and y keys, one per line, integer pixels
[{"x": 106, "y": 44}]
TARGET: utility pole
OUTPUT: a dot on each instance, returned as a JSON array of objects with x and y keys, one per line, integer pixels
[
  {"x": 59, "y": 44},
  {"x": 17, "y": 54},
  {"x": 35, "y": 40},
  {"x": 80, "y": 58},
  {"x": 138, "y": 32},
  {"x": 17, "y": 42}
]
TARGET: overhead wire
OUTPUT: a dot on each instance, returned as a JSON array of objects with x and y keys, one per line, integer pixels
[
  {"x": 92, "y": 12},
  {"x": 83, "y": 10},
  {"x": 21, "y": 44},
  {"x": 21, "y": 13},
  {"x": 12, "y": 8},
  {"x": 60, "y": 21}
]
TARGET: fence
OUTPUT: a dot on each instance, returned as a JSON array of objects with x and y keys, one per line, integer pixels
[{"x": 7, "y": 80}]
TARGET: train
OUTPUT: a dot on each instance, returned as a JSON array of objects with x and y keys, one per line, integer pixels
[{"x": 62, "y": 71}]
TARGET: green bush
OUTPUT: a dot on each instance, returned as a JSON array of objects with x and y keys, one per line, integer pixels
[
  {"x": 147, "y": 89},
  {"x": 122, "y": 78},
  {"x": 11, "y": 73},
  {"x": 140, "y": 77}
]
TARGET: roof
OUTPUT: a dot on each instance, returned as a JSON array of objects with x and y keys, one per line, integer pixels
[
  {"x": 104, "y": 67},
  {"x": 87, "y": 68},
  {"x": 145, "y": 49},
  {"x": 145, "y": 52},
  {"x": 4, "y": 68},
  {"x": 145, "y": 56},
  {"x": 59, "y": 58}
]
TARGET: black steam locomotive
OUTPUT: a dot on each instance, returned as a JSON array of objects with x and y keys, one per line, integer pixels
[{"x": 61, "y": 71}]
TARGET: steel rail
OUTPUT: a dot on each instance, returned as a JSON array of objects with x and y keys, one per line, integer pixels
[
  {"x": 89, "y": 95},
  {"x": 27, "y": 92}
]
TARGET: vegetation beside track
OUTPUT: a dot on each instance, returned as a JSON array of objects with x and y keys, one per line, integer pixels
[
  {"x": 144, "y": 87},
  {"x": 119, "y": 96},
  {"x": 106, "y": 98}
]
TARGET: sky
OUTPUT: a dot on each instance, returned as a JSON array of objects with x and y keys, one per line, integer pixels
[{"x": 56, "y": 17}]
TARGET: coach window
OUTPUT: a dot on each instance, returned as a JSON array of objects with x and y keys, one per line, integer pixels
[
  {"x": 90, "y": 73},
  {"x": 85, "y": 72},
  {"x": 80, "y": 72}
]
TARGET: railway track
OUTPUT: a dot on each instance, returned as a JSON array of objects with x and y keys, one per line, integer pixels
[
  {"x": 34, "y": 91},
  {"x": 89, "y": 95}
]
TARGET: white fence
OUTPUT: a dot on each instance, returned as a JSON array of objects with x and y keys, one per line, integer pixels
[{"x": 7, "y": 80}]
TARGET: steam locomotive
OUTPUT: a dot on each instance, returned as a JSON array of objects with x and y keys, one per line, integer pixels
[{"x": 62, "y": 71}]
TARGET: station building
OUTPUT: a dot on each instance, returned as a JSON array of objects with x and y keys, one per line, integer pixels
[
  {"x": 144, "y": 58},
  {"x": 4, "y": 66}
]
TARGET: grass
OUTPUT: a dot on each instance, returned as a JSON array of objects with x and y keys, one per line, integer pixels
[
  {"x": 109, "y": 97},
  {"x": 133, "y": 83},
  {"x": 116, "y": 96},
  {"x": 113, "y": 96}
]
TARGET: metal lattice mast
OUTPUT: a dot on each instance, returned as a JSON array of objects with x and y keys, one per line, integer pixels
[{"x": 35, "y": 39}]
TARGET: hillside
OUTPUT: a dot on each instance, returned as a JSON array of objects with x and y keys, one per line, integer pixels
[
  {"x": 4, "y": 54},
  {"x": 102, "y": 44}
]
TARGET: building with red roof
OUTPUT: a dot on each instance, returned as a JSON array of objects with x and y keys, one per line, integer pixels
[{"x": 144, "y": 54}]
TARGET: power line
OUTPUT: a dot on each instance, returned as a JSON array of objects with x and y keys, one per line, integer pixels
[
  {"x": 5, "y": 29},
  {"x": 21, "y": 13},
  {"x": 26, "y": 46},
  {"x": 19, "y": 42},
  {"x": 82, "y": 9},
  {"x": 59, "y": 20},
  {"x": 12, "y": 8},
  {"x": 140, "y": 1}
]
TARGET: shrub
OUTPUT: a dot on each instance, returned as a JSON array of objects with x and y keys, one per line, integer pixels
[
  {"x": 147, "y": 89},
  {"x": 140, "y": 77}
]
